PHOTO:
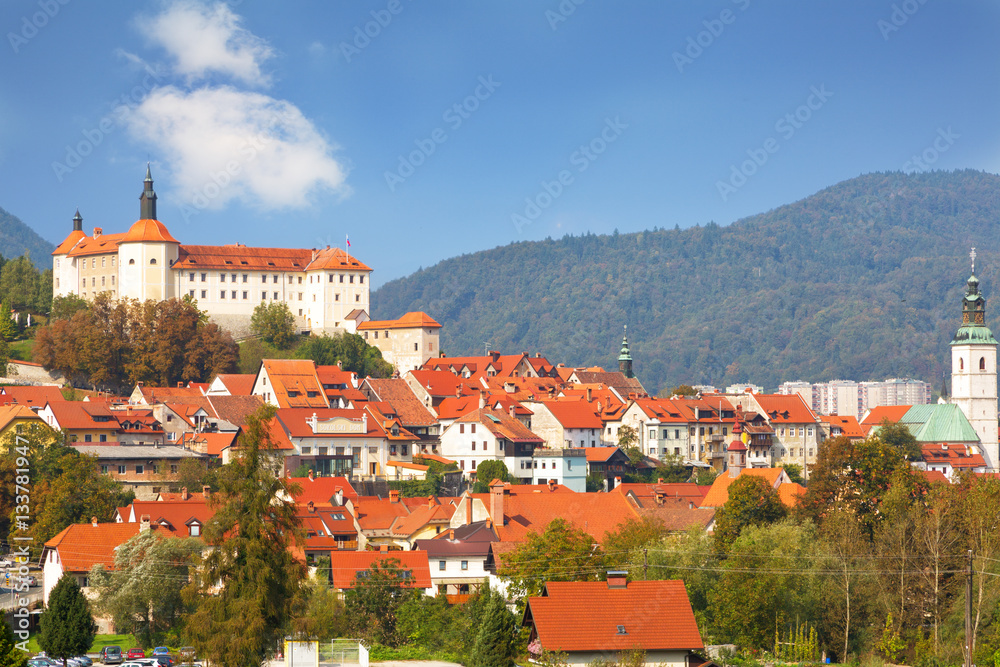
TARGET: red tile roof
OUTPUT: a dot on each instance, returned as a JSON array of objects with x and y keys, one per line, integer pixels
[
  {"x": 238, "y": 384},
  {"x": 958, "y": 456},
  {"x": 575, "y": 414},
  {"x": 347, "y": 564},
  {"x": 397, "y": 393},
  {"x": 68, "y": 243},
  {"x": 78, "y": 415},
  {"x": 414, "y": 320},
  {"x": 292, "y": 380},
  {"x": 501, "y": 425},
  {"x": 33, "y": 397},
  {"x": 933, "y": 476},
  {"x": 719, "y": 493},
  {"x": 848, "y": 425},
  {"x": 785, "y": 408},
  {"x": 875, "y": 416},
  {"x": 321, "y": 490},
  {"x": 589, "y": 615},
  {"x": 148, "y": 231},
  {"x": 173, "y": 517},
  {"x": 81, "y": 546},
  {"x": 600, "y": 454},
  {"x": 105, "y": 244}
]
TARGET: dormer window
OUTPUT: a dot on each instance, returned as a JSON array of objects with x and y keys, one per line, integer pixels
[{"x": 194, "y": 530}]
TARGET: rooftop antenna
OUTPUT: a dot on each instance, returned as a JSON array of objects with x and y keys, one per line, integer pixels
[{"x": 486, "y": 349}]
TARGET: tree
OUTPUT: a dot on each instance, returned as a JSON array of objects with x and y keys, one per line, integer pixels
[
  {"x": 752, "y": 502},
  {"x": 628, "y": 440},
  {"x": 273, "y": 322},
  {"x": 8, "y": 328},
  {"x": 847, "y": 552},
  {"x": 487, "y": 472},
  {"x": 374, "y": 601},
  {"x": 899, "y": 437},
  {"x": 64, "y": 307},
  {"x": 142, "y": 594},
  {"x": 633, "y": 535},
  {"x": 320, "y": 612},
  {"x": 683, "y": 390},
  {"x": 794, "y": 472},
  {"x": 349, "y": 351},
  {"x": 494, "y": 644},
  {"x": 10, "y": 654},
  {"x": 560, "y": 553},
  {"x": 68, "y": 627},
  {"x": 250, "y": 537}
]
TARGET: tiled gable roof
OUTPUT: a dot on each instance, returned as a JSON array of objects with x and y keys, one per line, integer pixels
[
  {"x": 33, "y": 397},
  {"x": 292, "y": 382},
  {"x": 785, "y": 408},
  {"x": 241, "y": 258},
  {"x": 615, "y": 379},
  {"x": 173, "y": 517},
  {"x": 719, "y": 493},
  {"x": 848, "y": 425},
  {"x": 234, "y": 409},
  {"x": 238, "y": 384},
  {"x": 81, "y": 546},
  {"x": 321, "y": 490},
  {"x": 415, "y": 320},
  {"x": 397, "y": 393},
  {"x": 501, "y": 425},
  {"x": 591, "y": 616},
  {"x": 875, "y": 416},
  {"x": 105, "y": 244},
  {"x": 575, "y": 414}
]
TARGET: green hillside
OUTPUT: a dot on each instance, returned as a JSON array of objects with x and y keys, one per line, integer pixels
[
  {"x": 862, "y": 280},
  {"x": 17, "y": 237}
]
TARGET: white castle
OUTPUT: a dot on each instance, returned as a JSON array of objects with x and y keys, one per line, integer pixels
[{"x": 326, "y": 289}]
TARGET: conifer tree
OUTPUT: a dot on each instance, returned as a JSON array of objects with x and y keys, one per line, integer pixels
[
  {"x": 10, "y": 654},
  {"x": 67, "y": 625},
  {"x": 494, "y": 646}
]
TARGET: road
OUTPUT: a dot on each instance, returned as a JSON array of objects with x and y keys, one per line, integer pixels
[{"x": 7, "y": 602}]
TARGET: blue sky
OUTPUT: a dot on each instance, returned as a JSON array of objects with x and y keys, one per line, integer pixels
[{"x": 427, "y": 130}]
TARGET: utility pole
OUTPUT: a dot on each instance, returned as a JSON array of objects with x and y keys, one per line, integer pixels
[
  {"x": 645, "y": 565},
  {"x": 968, "y": 608}
]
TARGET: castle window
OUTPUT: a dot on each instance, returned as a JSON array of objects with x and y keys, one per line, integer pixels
[
  {"x": 961, "y": 364},
  {"x": 290, "y": 280},
  {"x": 982, "y": 363},
  {"x": 204, "y": 277},
  {"x": 232, "y": 278},
  {"x": 233, "y": 294},
  {"x": 104, "y": 262},
  {"x": 222, "y": 294},
  {"x": 275, "y": 296},
  {"x": 191, "y": 277},
  {"x": 376, "y": 335},
  {"x": 263, "y": 277},
  {"x": 341, "y": 277},
  {"x": 357, "y": 298},
  {"x": 93, "y": 263},
  {"x": 351, "y": 279},
  {"x": 112, "y": 280},
  {"x": 274, "y": 279},
  {"x": 131, "y": 262},
  {"x": 336, "y": 297},
  {"x": 112, "y": 262},
  {"x": 244, "y": 296},
  {"x": 102, "y": 281},
  {"x": 245, "y": 277},
  {"x": 300, "y": 296},
  {"x": 331, "y": 275},
  {"x": 263, "y": 296},
  {"x": 204, "y": 294},
  {"x": 152, "y": 261},
  {"x": 300, "y": 280},
  {"x": 93, "y": 282},
  {"x": 222, "y": 277},
  {"x": 190, "y": 294}
]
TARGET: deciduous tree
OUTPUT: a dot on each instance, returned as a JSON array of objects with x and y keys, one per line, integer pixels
[
  {"x": 273, "y": 321},
  {"x": 373, "y": 603},
  {"x": 752, "y": 502},
  {"x": 349, "y": 351},
  {"x": 560, "y": 553}
]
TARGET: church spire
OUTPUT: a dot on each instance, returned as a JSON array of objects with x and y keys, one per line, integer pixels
[
  {"x": 77, "y": 222},
  {"x": 625, "y": 357},
  {"x": 147, "y": 200}
]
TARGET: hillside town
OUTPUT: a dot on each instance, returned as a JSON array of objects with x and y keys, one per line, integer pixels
[{"x": 470, "y": 477}]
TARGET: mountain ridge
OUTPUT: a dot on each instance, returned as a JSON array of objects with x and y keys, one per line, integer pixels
[
  {"x": 861, "y": 280},
  {"x": 16, "y": 238}
]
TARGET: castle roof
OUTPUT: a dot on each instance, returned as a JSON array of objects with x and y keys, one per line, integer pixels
[{"x": 148, "y": 231}]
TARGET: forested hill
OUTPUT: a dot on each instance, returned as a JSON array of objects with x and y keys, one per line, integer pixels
[
  {"x": 862, "y": 280},
  {"x": 17, "y": 237}
]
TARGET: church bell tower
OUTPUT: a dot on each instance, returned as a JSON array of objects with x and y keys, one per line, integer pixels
[{"x": 974, "y": 369}]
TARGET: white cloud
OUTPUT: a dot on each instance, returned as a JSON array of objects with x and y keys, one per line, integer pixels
[
  {"x": 317, "y": 50},
  {"x": 205, "y": 38},
  {"x": 222, "y": 144}
]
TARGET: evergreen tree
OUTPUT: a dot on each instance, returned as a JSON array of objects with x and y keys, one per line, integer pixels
[
  {"x": 250, "y": 536},
  {"x": 8, "y": 328},
  {"x": 10, "y": 655},
  {"x": 494, "y": 646},
  {"x": 67, "y": 625}
]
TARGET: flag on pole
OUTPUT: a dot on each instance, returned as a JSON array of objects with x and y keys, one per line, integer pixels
[{"x": 348, "y": 241}]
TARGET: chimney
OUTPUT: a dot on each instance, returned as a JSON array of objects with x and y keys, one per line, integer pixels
[
  {"x": 430, "y": 501},
  {"x": 312, "y": 477},
  {"x": 394, "y": 496},
  {"x": 93, "y": 521},
  {"x": 659, "y": 480},
  {"x": 617, "y": 579},
  {"x": 618, "y": 481},
  {"x": 524, "y": 353},
  {"x": 140, "y": 383},
  {"x": 144, "y": 523},
  {"x": 511, "y": 410},
  {"x": 184, "y": 493},
  {"x": 311, "y": 507},
  {"x": 690, "y": 505},
  {"x": 489, "y": 524},
  {"x": 482, "y": 400},
  {"x": 468, "y": 511},
  {"x": 552, "y": 485},
  {"x": 451, "y": 534},
  {"x": 180, "y": 385},
  {"x": 97, "y": 232},
  {"x": 590, "y": 395},
  {"x": 339, "y": 496},
  {"x": 497, "y": 502},
  {"x": 458, "y": 390},
  {"x": 494, "y": 355},
  {"x": 383, "y": 548}
]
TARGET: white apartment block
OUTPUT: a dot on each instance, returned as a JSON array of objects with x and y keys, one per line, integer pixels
[{"x": 848, "y": 398}]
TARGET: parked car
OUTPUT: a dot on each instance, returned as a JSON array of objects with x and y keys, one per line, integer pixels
[
  {"x": 32, "y": 580},
  {"x": 161, "y": 650},
  {"x": 111, "y": 655},
  {"x": 135, "y": 653},
  {"x": 163, "y": 661},
  {"x": 85, "y": 660},
  {"x": 41, "y": 661},
  {"x": 133, "y": 663}
]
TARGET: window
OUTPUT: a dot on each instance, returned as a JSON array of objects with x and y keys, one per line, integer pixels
[
  {"x": 357, "y": 298},
  {"x": 441, "y": 565},
  {"x": 191, "y": 277},
  {"x": 112, "y": 280},
  {"x": 112, "y": 262},
  {"x": 139, "y": 469},
  {"x": 244, "y": 295},
  {"x": 300, "y": 296},
  {"x": 543, "y": 465},
  {"x": 652, "y": 434},
  {"x": 102, "y": 281},
  {"x": 416, "y": 347},
  {"x": 692, "y": 431},
  {"x": 274, "y": 278},
  {"x": 222, "y": 294},
  {"x": 245, "y": 277},
  {"x": 802, "y": 431},
  {"x": 191, "y": 293},
  {"x": 232, "y": 278},
  {"x": 306, "y": 449},
  {"x": 982, "y": 363},
  {"x": 93, "y": 282},
  {"x": 233, "y": 294},
  {"x": 275, "y": 296},
  {"x": 204, "y": 294},
  {"x": 263, "y": 296},
  {"x": 961, "y": 364},
  {"x": 461, "y": 464},
  {"x": 473, "y": 427},
  {"x": 473, "y": 464},
  {"x": 350, "y": 279},
  {"x": 222, "y": 277},
  {"x": 104, "y": 470},
  {"x": 194, "y": 530},
  {"x": 93, "y": 263},
  {"x": 121, "y": 470},
  {"x": 103, "y": 262},
  {"x": 87, "y": 438},
  {"x": 361, "y": 279},
  {"x": 300, "y": 279},
  {"x": 263, "y": 277},
  {"x": 131, "y": 262},
  {"x": 336, "y": 297},
  {"x": 461, "y": 428},
  {"x": 810, "y": 431},
  {"x": 473, "y": 445},
  {"x": 103, "y": 438},
  {"x": 465, "y": 565}
]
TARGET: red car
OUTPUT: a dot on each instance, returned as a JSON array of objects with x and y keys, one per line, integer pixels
[{"x": 134, "y": 653}]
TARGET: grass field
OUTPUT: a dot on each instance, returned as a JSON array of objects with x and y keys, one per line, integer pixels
[
  {"x": 21, "y": 350},
  {"x": 100, "y": 641}
]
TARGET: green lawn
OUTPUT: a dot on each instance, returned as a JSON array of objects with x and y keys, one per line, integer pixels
[
  {"x": 100, "y": 641},
  {"x": 21, "y": 350}
]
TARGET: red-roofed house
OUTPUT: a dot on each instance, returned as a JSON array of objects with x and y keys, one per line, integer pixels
[
  {"x": 81, "y": 421},
  {"x": 775, "y": 477},
  {"x": 180, "y": 518},
  {"x": 347, "y": 566},
  {"x": 405, "y": 343},
  {"x": 231, "y": 384},
  {"x": 290, "y": 383},
  {"x": 81, "y": 546},
  {"x": 490, "y": 435},
  {"x": 835, "y": 426},
  {"x": 414, "y": 416},
  {"x": 588, "y": 620},
  {"x": 874, "y": 417},
  {"x": 949, "y": 458},
  {"x": 565, "y": 423},
  {"x": 797, "y": 429},
  {"x": 30, "y": 396}
]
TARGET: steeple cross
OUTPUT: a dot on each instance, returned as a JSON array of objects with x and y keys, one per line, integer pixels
[{"x": 972, "y": 255}]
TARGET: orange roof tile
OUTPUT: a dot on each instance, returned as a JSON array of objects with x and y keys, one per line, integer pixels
[
  {"x": 575, "y": 414},
  {"x": 173, "y": 517},
  {"x": 347, "y": 564},
  {"x": 81, "y": 546},
  {"x": 875, "y": 416},
  {"x": 501, "y": 425},
  {"x": 719, "y": 493},
  {"x": 530, "y": 509},
  {"x": 600, "y": 454},
  {"x": 415, "y": 320},
  {"x": 33, "y": 397},
  {"x": 785, "y": 408},
  {"x": 12, "y": 413},
  {"x": 105, "y": 244},
  {"x": 148, "y": 231},
  {"x": 321, "y": 490},
  {"x": 335, "y": 258},
  {"x": 238, "y": 384},
  {"x": 589, "y": 616},
  {"x": 68, "y": 243},
  {"x": 790, "y": 493},
  {"x": 848, "y": 425},
  {"x": 397, "y": 393},
  {"x": 292, "y": 382}
]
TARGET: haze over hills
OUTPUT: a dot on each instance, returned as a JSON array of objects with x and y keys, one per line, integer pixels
[
  {"x": 17, "y": 237},
  {"x": 862, "y": 280}
]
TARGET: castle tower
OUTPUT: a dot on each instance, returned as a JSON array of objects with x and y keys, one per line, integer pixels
[
  {"x": 974, "y": 369},
  {"x": 147, "y": 252},
  {"x": 625, "y": 357}
]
